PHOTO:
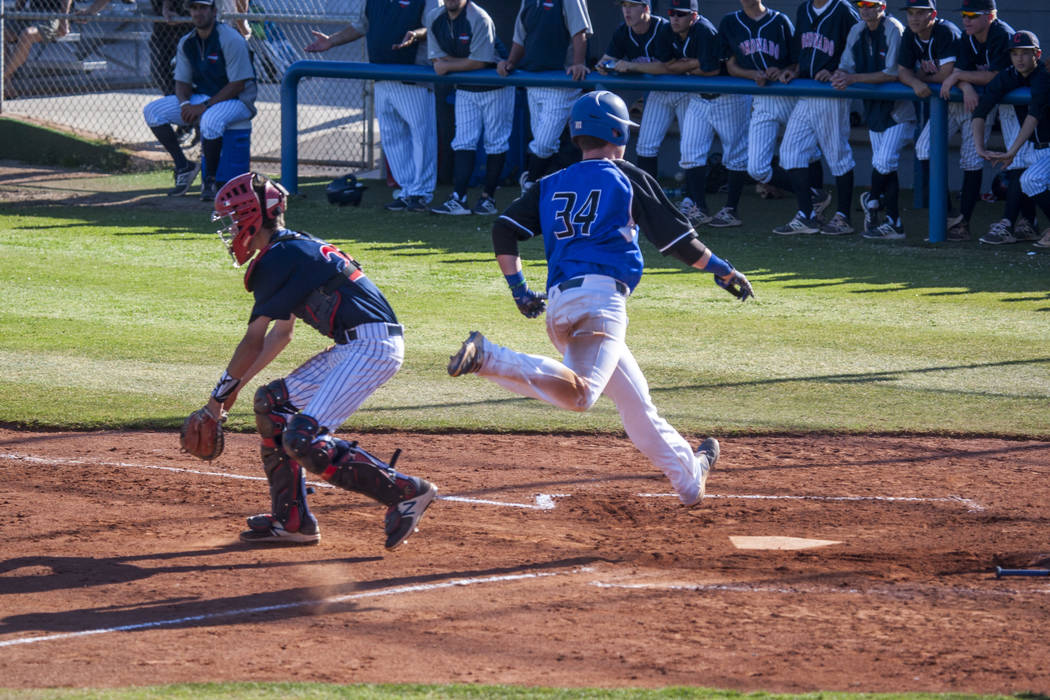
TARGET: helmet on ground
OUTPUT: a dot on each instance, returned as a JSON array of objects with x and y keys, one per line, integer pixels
[
  {"x": 345, "y": 190},
  {"x": 603, "y": 115},
  {"x": 251, "y": 201}
]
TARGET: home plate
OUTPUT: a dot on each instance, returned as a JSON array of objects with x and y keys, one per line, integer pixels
[{"x": 783, "y": 543}]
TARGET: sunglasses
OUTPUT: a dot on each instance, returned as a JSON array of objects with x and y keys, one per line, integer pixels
[
  {"x": 867, "y": 5},
  {"x": 972, "y": 15},
  {"x": 679, "y": 13}
]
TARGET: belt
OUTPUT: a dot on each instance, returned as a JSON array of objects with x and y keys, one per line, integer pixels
[
  {"x": 1040, "y": 146},
  {"x": 392, "y": 329},
  {"x": 578, "y": 282}
]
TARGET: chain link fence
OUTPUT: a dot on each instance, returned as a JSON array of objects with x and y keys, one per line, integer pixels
[{"x": 98, "y": 76}]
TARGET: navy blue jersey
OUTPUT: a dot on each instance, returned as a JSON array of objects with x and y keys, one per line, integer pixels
[
  {"x": 1039, "y": 107},
  {"x": 992, "y": 55},
  {"x": 821, "y": 38},
  {"x": 758, "y": 44},
  {"x": 940, "y": 48},
  {"x": 305, "y": 276},
  {"x": 210, "y": 64},
  {"x": 589, "y": 215},
  {"x": 653, "y": 46},
  {"x": 869, "y": 54},
  {"x": 546, "y": 36},
  {"x": 388, "y": 21},
  {"x": 700, "y": 42},
  {"x": 1003, "y": 82}
]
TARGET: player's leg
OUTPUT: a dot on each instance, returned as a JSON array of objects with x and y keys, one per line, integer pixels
[
  {"x": 696, "y": 134},
  {"x": 549, "y": 110},
  {"x": 1035, "y": 182},
  {"x": 730, "y": 115},
  {"x": 214, "y": 122},
  {"x": 830, "y": 122},
  {"x": 414, "y": 105},
  {"x": 160, "y": 114},
  {"x": 796, "y": 147},
  {"x": 395, "y": 138},
  {"x": 588, "y": 325},
  {"x": 337, "y": 381},
  {"x": 652, "y": 435},
  {"x": 497, "y": 108},
  {"x": 971, "y": 163},
  {"x": 289, "y": 519},
  {"x": 656, "y": 120},
  {"x": 464, "y": 152}
]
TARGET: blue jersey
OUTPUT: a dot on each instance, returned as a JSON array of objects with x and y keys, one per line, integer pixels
[
  {"x": 821, "y": 38},
  {"x": 1005, "y": 82},
  {"x": 758, "y": 44},
  {"x": 546, "y": 36},
  {"x": 305, "y": 276},
  {"x": 1039, "y": 108},
  {"x": 700, "y": 42},
  {"x": 940, "y": 48},
  {"x": 653, "y": 46},
  {"x": 589, "y": 215},
  {"x": 388, "y": 22},
  {"x": 991, "y": 55}
]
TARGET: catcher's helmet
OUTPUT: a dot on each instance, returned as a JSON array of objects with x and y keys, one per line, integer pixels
[
  {"x": 603, "y": 115},
  {"x": 251, "y": 200},
  {"x": 345, "y": 190}
]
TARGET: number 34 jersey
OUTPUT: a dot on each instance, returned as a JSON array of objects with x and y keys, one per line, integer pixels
[{"x": 589, "y": 215}]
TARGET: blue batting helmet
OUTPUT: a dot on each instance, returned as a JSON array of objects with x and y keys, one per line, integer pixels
[{"x": 603, "y": 115}]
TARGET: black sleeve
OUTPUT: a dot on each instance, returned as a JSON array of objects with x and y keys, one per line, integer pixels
[
  {"x": 520, "y": 221},
  {"x": 659, "y": 219},
  {"x": 993, "y": 94}
]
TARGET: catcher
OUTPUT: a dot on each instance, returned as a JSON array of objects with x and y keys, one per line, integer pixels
[{"x": 297, "y": 275}]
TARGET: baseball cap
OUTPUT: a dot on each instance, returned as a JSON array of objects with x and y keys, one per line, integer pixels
[
  {"x": 633, "y": 2},
  {"x": 688, "y": 5},
  {"x": 920, "y": 5},
  {"x": 191, "y": 3},
  {"x": 1024, "y": 40},
  {"x": 983, "y": 6}
]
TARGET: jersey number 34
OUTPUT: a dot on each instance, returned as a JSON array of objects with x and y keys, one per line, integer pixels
[{"x": 569, "y": 216}]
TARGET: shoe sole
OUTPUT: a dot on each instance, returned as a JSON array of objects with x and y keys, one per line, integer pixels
[
  {"x": 272, "y": 538},
  {"x": 179, "y": 192},
  {"x": 795, "y": 232},
  {"x": 724, "y": 224},
  {"x": 422, "y": 502},
  {"x": 712, "y": 450},
  {"x": 837, "y": 233},
  {"x": 448, "y": 213},
  {"x": 468, "y": 351}
]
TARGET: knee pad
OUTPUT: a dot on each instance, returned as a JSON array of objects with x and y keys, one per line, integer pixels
[
  {"x": 272, "y": 409},
  {"x": 306, "y": 442}
]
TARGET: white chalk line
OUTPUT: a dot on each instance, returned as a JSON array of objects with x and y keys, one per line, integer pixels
[
  {"x": 399, "y": 590},
  {"x": 543, "y": 501},
  {"x": 970, "y": 504},
  {"x": 902, "y": 591}
]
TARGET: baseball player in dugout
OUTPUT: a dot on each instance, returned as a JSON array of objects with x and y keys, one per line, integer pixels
[
  {"x": 759, "y": 46},
  {"x": 214, "y": 87},
  {"x": 461, "y": 37},
  {"x": 821, "y": 30},
  {"x": 295, "y": 275},
  {"x": 588, "y": 216},
  {"x": 548, "y": 35},
  {"x": 927, "y": 55},
  {"x": 871, "y": 58},
  {"x": 1026, "y": 64},
  {"x": 395, "y": 34},
  {"x": 1034, "y": 134}
]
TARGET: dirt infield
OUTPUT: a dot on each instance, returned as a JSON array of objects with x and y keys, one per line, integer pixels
[{"x": 551, "y": 560}]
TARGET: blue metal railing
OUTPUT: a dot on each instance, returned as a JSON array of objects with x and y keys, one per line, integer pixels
[{"x": 938, "y": 185}]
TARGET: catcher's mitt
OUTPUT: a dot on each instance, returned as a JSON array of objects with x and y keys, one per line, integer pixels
[{"x": 201, "y": 434}]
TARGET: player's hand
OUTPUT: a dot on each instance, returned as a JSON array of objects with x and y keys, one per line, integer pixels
[
  {"x": 922, "y": 90},
  {"x": 970, "y": 100},
  {"x": 577, "y": 71},
  {"x": 192, "y": 113},
  {"x": 407, "y": 40},
  {"x": 321, "y": 42},
  {"x": 440, "y": 66},
  {"x": 531, "y": 304},
  {"x": 841, "y": 79},
  {"x": 736, "y": 284},
  {"x": 504, "y": 68},
  {"x": 928, "y": 66},
  {"x": 787, "y": 75},
  {"x": 760, "y": 78},
  {"x": 823, "y": 76},
  {"x": 773, "y": 73}
]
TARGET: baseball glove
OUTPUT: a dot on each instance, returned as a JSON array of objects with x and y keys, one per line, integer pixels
[{"x": 202, "y": 435}]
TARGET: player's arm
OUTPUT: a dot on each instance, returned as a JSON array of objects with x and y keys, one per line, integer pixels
[
  {"x": 448, "y": 64},
  {"x": 256, "y": 350},
  {"x": 734, "y": 69},
  {"x": 650, "y": 68},
  {"x": 578, "y": 70},
  {"x": 1003, "y": 160},
  {"x": 520, "y": 222},
  {"x": 514, "y": 56},
  {"x": 323, "y": 42},
  {"x": 909, "y": 77}
]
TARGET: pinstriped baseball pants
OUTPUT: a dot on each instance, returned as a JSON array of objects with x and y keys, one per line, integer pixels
[
  {"x": 214, "y": 121},
  {"x": 333, "y": 384}
]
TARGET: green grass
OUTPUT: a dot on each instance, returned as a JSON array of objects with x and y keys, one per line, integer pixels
[
  {"x": 124, "y": 316},
  {"x": 318, "y": 691}
]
